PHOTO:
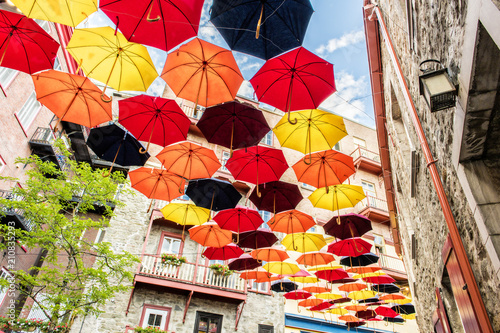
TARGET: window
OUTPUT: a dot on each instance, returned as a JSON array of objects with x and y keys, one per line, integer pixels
[
  {"x": 44, "y": 25},
  {"x": 155, "y": 316},
  {"x": 266, "y": 329},
  {"x": 379, "y": 244},
  {"x": 57, "y": 64},
  {"x": 225, "y": 157},
  {"x": 359, "y": 142},
  {"x": 4, "y": 274},
  {"x": 207, "y": 322},
  {"x": 7, "y": 75},
  {"x": 100, "y": 235},
  {"x": 262, "y": 287},
  {"x": 170, "y": 245},
  {"x": 2, "y": 164},
  {"x": 268, "y": 139},
  {"x": 28, "y": 112},
  {"x": 369, "y": 188},
  {"x": 266, "y": 216},
  {"x": 337, "y": 146}
]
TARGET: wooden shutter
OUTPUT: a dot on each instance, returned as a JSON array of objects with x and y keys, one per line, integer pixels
[{"x": 439, "y": 317}]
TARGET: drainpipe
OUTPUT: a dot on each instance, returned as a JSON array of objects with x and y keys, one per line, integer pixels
[{"x": 372, "y": 12}]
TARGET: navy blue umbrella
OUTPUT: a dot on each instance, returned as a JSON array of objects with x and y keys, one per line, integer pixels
[
  {"x": 398, "y": 319},
  {"x": 262, "y": 28},
  {"x": 369, "y": 300},
  {"x": 362, "y": 260},
  {"x": 283, "y": 286},
  {"x": 389, "y": 288},
  {"x": 213, "y": 194},
  {"x": 406, "y": 309},
  {"x": 112, "y": 143}
]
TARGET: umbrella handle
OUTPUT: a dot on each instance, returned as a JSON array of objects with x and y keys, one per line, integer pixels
[
  {"x": 142, "y": 150},
  {"x": 310, "y": 158},
  {"x": 104, "y": 99},
  {"x": 148, "y": 18},
  {"x": 293, "y": 122},
  {"x": 113, "y": 163},
  {"x": 257, "y": 32}
]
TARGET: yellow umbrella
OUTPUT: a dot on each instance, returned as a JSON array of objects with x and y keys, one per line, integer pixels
[
  {"x": 304, "y": 242},
  {"x": 337, "y": 196},
  {"x": 362, "y": 294},
  {"x": 409, "y": 317},
  {"x": 365, "y": 275},
  {"x": 185, "y": 214},
  {"x": 112, "y": 59},
  {"x": 313, "y": 130},
  {"x": 328, "y": 296},
  {"x": 400, "y": 301},
  {"x": 303, "y": 279},
  {"x": 332, "y": 265},
  {"x": 68, "y": 12},
  {"x": 338, "y": 311},
  {"x": 281, "y": 268}
]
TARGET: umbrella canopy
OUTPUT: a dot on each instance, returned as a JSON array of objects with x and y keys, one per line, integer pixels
[
  {"x": 297, "y": 294},
  {"x": 226, "y": 252},
  {"x": 203, "y": 73},
  {"x": 350, "y": 247},
  {"x": 24, "y": 45},
  {"x": 259, "y": 238},
  {"x": 281, "y": 267},
  {"x": 156, "y": 183},
  {"x": 349, "y": 318},
  {"x": 316, "y": 289},
  {"x": 239, "y": 219},
  {"x": 154, "y": 119},
  {"x": 362, "y": 260},
  {"x": 371, "y": 301},
  {"x": 310, "y": 302},
  {"x": 304, "y": 242},
  {"x": 283, "y": 286},
  {"x": 244, "y": 262},
  {"x": 233, "y": 125},
  {"x": 256, "y": 274},
  {"x": 397, "y": 319},
  {"x": 383, "y": 279},
  {"x": 392, "y": 297},
  {"x": 400, "y": 301},
  {"x": 210, "y": 234},
  {"x": 363, "y": 270},
  {"x": 338, "y": 311},
  {"x": 346, "y": 280},
  {"x": 315, "y": 258},
  {"x": 270, "y": 254},
  {"x": 291, "y": 221},
  {"x": 348, "y": 226},
  {"x": 112, "y": 59},
  {"x": 406, "y": 309},
  {"x": 279, "y": 26},
  {"x": 60, "y": 11},
  {"x": 213, "y": 194},
  {"x": 332, "y": 274},
  {"x": 366, "y": 314},
  {"x": 352, "y": 287},
  {"x": 342, "y": 300},
  {"x": 185, "y": 214},
  {"x": 409, "y": 317},
  {"x": 189, "y": 160},
  {"x": 337, "y": 197},
  {"x": 162, "y": 24},
  {"x": 356, "y": 307},
  {"x": 76, "y": 99},
  {"x": 304, "y": 279},
  {"x": 328, "y": 295},
  {"x": 321, "y": 306},
  {"x": 386, "y": 312},
  {"x": 368, "y": 274},
  {"x": 277, "y": 197},
  {"x": 362, "y": 294},
  {"x": 386, "y": 288}
]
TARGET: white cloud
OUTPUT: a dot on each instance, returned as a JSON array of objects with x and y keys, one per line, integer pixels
[
  {"x": 246, "y": 89},
  {"x": 346, "y": 40}
]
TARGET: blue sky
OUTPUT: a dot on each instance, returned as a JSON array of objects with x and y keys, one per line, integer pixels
[{"x": 334, "y": 33}]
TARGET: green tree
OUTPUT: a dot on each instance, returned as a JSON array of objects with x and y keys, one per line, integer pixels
[{"x": 62, "y": 205}]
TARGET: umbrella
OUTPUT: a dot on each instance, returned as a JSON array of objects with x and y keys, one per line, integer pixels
[
  {"x": 108, "y": 57},
  {"x": 398, "y": 319},
  {"x": 386, "y": 312},
  {"x": 239, "y": 219},
  {"x": 363, "y": 270},
  {"x": 337, "y": 197},
  {"x": 257, "y": 165},
  {"x": 156, "y": 183},
  {"x": 72, "y": 98},
  {"x": 338, "y": 311},
  {"x": 321, "y": 306},
  {"x": 348, "y": 226},
  {"x": 185, "y": 214},
  {"x": 383, "y": 279},
  {"x": 316, "y": 289},
  {"x": 263, "y": 29},
  {"x": 304, "y": 279},
  {"x": 392, "y": 297},
  {"x": 362, "y": 294},
  {"x": 60, "y": 11},
  {"x": 328, "y": 295},
  {"x": 406, "y": 309},
  {"x": 332, "y": 274},
  {"x": 356, "y": 308},
  {"x": 258, "y": 273},
  {"x": 291, "y": 221},
  {"x": 233, "y": 125},
  {"x": 226, "y": 252},
  {"x": 162, "y": 24},
  {"x": 342, "y": 300},
  {"x": 24, "y": 45},
  {"x": 400, "y": 301},
  {"x": 276, "y": 197},
  {"x": 346, "y": 280},
  {"x": 189, "y": 160},
  {"x": 409, "y": 317},
  {"x": 310, "y": 302},
  {"x": 283, "y": 286},
  {"x": 282, "y": 267},
  {"x": 304, "y": 242},
  {"x": 368, "y": 274},
  {"x": 353, "y": 287},
  {"x": 354, "y": 325},
  {"x": 210, "y": 234},
  {"x": 362, "y": 260},
  {"x": 113, "y": 144},
  {"x": 330, "y": 265},
  {"x": 315, "y": 258},
  {"x": 154, "y": 119},
  {"x": 386, "y": 288},
  {"x": 371, "y": 301},
  {"x": 325, "y": 168},
  {"x": 269, "y": 254},
  {"x": 349, "y": 318},
  {"x": 203, "y": 73},
  {"x": 312, "y": 130},
  {"x": 244, "y": 262},
  {"x": 366, "y": 314},
  {"x": 350, "y": 247},
  {"x": 297, "y": 294},
  {"x": 296, "y": 80},
  {"x": 259, "y": 238},
  {"x": 213, "y": 194}
]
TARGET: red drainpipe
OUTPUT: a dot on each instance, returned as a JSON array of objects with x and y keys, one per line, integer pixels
[
  {"x": 372, "y": 15},
  {"x": 64, "y": 33}
]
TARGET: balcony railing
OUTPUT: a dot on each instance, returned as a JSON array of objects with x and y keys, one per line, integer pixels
[
  {"x": 363, "y": 152},
  {"x": 392, "y": 263},
  {"x": 42, "y": 144},
  {"x": 28, "y": 224},
  {"x": 130, "y": 329},
  {"x": 191, "y": 273},
  {"x": 191, "y": 112},
  {"x": 372, "y": 202}
]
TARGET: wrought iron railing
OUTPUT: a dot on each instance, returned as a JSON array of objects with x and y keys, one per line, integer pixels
[
  {"x": 45, "y": 136},
  {"x": 392, "y": 263},
  {"x": 28, "y": 224},
  {"x": 363, "y": 152}
]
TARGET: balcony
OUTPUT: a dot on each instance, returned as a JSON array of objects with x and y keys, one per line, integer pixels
[
  {"x": 373, "y": 208},
  {"x": 42, "y": 145},
  {"x": 15, "y": 215},
  {"x": 129, "y": 329},
  {"x": 392, "y": 266},
  {"x": 367, "y": 160},
  {"x": 78, "y": 136}
]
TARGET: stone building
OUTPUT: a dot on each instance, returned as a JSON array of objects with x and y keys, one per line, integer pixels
[{"x": 441, "y": 164}]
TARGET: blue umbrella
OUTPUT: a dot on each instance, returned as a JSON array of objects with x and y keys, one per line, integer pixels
[
  {"x": 398, "y": 319},
  {"x": 213, "y": 194},
  {"x": 262, "y": 28},
  {"x": 283, "y": 286}
]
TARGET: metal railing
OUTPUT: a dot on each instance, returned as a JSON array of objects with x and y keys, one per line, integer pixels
[
  {"x": 28, "y": 224},
  {"x": 392, "y": 263},
  {"x": 191, "y": 273},
  {"x": 363, "y": 152},
  {"x": 372, "y": 202},
  {"x": 46, "y": 136},
  {"x": 191, "y": 112}
]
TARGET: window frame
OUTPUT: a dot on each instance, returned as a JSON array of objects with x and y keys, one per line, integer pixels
[
  {"x": 170, "y": 235},
  {"x": 265, "y": 328},
  {"x": 146, "y": 307},
  {"x": 365, "y": 190},
  {"x": 210, "y": 316},
  {"x": 25, "y": 127},
  {"x": 223, "y": 162},
  {"x": 264, "y": 139},
  {"x": 10, "y": 80},
  {"x": 2, "y": 164}
]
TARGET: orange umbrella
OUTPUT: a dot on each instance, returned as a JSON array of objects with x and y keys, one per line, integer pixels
[
  {"x": 350, "y": 319},
  {"x": 203, "y": 73},
  {"x": 72, "y": 98},
  {"x": 315, "y": 258},
  {"x": 356, "y": 307},
  {"x": 326, "y": 168},
  {"x": 353, "y": 287},
  {"x": 363, "y": 270},
  {"x": 255, "y": 274},
  {"x": 391, "y": 297},
  {"x": 189, "y": 160},
  {"x": 291, "y": 221},
  {"x": 310, "y": 302},
  {"x": 269, "y": 254},
  {"x": 316, "y": 289},
  {"x": 210, "y": 234}
]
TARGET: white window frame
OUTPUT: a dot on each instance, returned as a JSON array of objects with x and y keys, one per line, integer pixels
[
  {"x": 172, "y": 241},
  {"x": 7, "y": 76},
  {"x": 266, "y": 216},
  {"x": 100, "y": 236},
  {"x": 153, "y": 311},
  {"x": 28, "y": 112},
  {"x": 225, "y": 156},
  {"x": 260, "y": 287},
  {"x": 268, "y": 139},
  {"x": 358, "y": 142},
  {"x": 367, "y": 191},
  {"x": 44, "y": 25},
  {"x": 57, "y": 64},
  {"x": 2, "y": 164}
]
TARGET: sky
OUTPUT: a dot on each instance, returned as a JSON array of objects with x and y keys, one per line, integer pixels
[{"x": 335, "y": 33}]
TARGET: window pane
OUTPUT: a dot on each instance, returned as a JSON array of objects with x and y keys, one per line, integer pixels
[
  {"x": 29, "y": 110},
  {"x": 268, "y": 139},
  {"x": 6, "y": 75},
  {"x": 225, "y": 157}
]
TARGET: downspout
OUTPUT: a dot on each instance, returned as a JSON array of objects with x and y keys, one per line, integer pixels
[
  {"x": 372, "y": 12},
  {"x": 64, "y": 33}
]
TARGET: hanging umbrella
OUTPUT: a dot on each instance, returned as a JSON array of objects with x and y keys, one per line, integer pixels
[
  {"x": 350, "y": 247},
  {"x": 315, "y": 258},
  {"x": 303, "y": 276},
  {"x": 377, "y": 318},
  {"x": 72, "y": 98},
  {"x": 156, "y": 183},
  {"x": 154, "y": 119},
  {"x": 257, "y": 165},
  {"x": 226, "y": 252},
  {"x": 304, "y": 242},
  {"x": 203, "y": 73},
  {"x": 277, "y": 197},
  {"x": 348, "y": 226},
  {"x": 256, "y": 239},
  {"x": 397, "y": 320},
  {"x": 332, "y": 274},
  {"x": 189, "y": 160},
  {"x": 400, "y": 301},
  {"x": 297, "y": 294},
  {"x": 352, "y": 287},
  {"x": 354, "y": 325},
  {"x": 108, "y": 57},
  {"x": 161, "y": 24},
  {"x": 244, "y": 262},
  {"x": 383, "y": 279},
  {"x": 366, "y": 314},
  {"x": 337, "y": 197},
  {"x": 325, "y": 168},
  {"x": 263, "y": 29},
  {"x": 270, "y": 254},
  {"x": 386, "y": 312},
  {"x": 113, "y": 144},
  {"x": 258, "y": 273},
  {"x": 210, "y": 234},
  {"x": 185, "y": 214},
  {"x": 371, "y": 301},
  {"x": 409, "y": 317},
  {"x": 310, "y": 131},
  {"x": 291, "y": 221},
  {"x": 356, "y": 307},
  {"x": 321, "y": 306},
  {"x": 363, "y": 270},
  {"x": 338, "y": 311},
  {"x": 362, "y": 294},
  {"x": 392, "y": 297},
  {"x": 349, "y": 318},
  {"x": 213, "y": 194},
  {"x": 406, "y": 309},
  {"x": 233, "y": 125},
  {"x": 282, "y": 267},
  {"x": 239, "y": 219},
  {"x": 342, "y": 301},
  {"x": 386, "y": 288},
  {"x": 330, "y": 265},
  {"x": 316, "y": 289},
  {"x": 60, "y": 11},
  {"x": 296, "y": 80},
  {"x": 310, "y": 302},
  {"x": 346, "y": 280},
  {"x": 368, "y": 274},
  {"x": 362, "y": 260},
  {"x": 283, "y": 286},
  {"x": 24, "y": 45},
  {"x": 328, "y": 295}
]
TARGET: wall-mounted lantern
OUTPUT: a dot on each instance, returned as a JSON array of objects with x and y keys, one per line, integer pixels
[{"x": 437, "y": 87}]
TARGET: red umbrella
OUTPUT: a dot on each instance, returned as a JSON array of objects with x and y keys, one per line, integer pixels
[
  {"x": 239, "y": 219},
  {"x": 227, "y": 252},
  {"x": 256, "y": 239},
  {"x": 162, "y": 24},
  {"x": 366, "y": 314},
  {"x": 386, "y": 312},
  {"x": 346, "y": 280},
  {"x": 24, "y": 45},
  {"x": 321, "y": 306},
  {"x": 296, "y": 80},
  {"x": 244, "y": 262},
  {"x": 352, "y": 247},
  {"x": 154, "y": 119},
  {"x": 382, "y": 279},
  {"x": 348, "y": 226},
  {"x": 297, "y": 294},
  {"x": 277, "y": 197},
  {"x": 332, "y": 274},
  {"x": 257, "y": 165}
]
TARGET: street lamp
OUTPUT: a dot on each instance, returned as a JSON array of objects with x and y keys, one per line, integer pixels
[{"x": 436, "y": 87}]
